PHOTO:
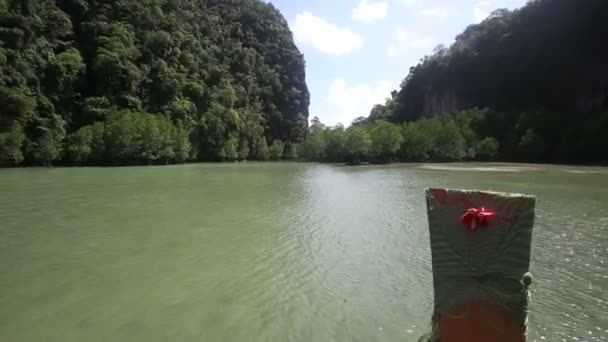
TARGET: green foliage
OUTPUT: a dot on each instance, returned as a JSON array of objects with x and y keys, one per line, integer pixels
[
  {"x": 435, "y": 139},
  {"x": 449, "y": 145},
  {"x": 182, "y": 145},
  {"x": 357, "y": 144},
  {"x": 16, "y": 110},
  {"x": 48, "y": 147},
  {"x": 291, "y": 151},
  {"x": 16, "y": 106},
  {"x": 487, "y": 149},
  {"x": 188, "y": 80},
  {"x": 11, "y": 143},
  {"x": 243, "y": 150},
  {"x": 229, "y": 150},
  {"x": 135, "y": 138},
  {"x": 382, "y": 112},
  {"x": 313, "y": 148},
  {"x": 80, "y": 144},
  {"x": 446, "y": 138},
  {"x": 275, "y": 151},
  {"x": 416, "y": 146},
  {"x": 62, "y": 74},
  {"x": 335, "y": 144},
  {"x": 260, "y": 149},
  {"x": 465, "y": 121},
  {"x": 386, "y": 141}
]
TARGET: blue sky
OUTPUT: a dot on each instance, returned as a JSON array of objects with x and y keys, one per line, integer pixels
[{"x": 357, "y": 51}]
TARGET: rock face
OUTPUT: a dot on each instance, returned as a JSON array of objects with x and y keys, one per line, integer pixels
[
  {"x": 549, "y": 55},
  {"x": 441, "y": 102}
]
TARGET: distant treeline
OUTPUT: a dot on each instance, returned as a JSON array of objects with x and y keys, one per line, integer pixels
[{"x": 475, "y": 134}]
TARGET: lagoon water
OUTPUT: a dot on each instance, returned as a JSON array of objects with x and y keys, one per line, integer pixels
[{"x": 274, "y": 251}]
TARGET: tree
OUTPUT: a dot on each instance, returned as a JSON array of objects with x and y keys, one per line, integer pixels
[
  {"x": 386, "y": 140},
  {"x": 357, "y": 144},
  {"x": 449, "y": 145},
  {"x": 79, "y": 145},
  {"x": 313, "y": 147},
  {"x": 316, "y": 125},
  {"x": 182, "y": 144},
  {"x": 487, "y": 149},
  {"x": 11, "y": 144},
  {"x": 64, "y": 72},
  {"x": 335, "y": 144},
  {"x": 276, "y": 150},
  {"x": 290, "y": 151},
  {"x": 416, "y": 144},
  {"x": 48, "y": 147},
  {"x": 243, "y": 150},
  {"x": 139, "y": 137},
  {"x": 229, "y": 150},
  {"x": 17, "y": 106},
  {"x": 260, "y": 149},
  {"x": 148, "y": 138}
]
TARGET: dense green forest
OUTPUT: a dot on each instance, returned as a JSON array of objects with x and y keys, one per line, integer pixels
[
  {"x": 157, "y": 81},
  {"x": 540, "y": 73},
  {"x": 147, "y": 81},
  {"x": 443, "y": 138}
]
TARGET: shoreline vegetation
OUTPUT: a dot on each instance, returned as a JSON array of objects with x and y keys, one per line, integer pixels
[
  {"x": 464, "y": 165},
  {"x": 475, "y": 135},
  {"x": 146, "y": 82},
  {"x": 449, "y": 138}
]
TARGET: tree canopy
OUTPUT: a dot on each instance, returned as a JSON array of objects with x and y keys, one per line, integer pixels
[
  {"x": 439, "y": 138},
  {"x": 147, "y": 81}
]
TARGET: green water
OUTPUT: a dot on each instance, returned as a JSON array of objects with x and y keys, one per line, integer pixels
[{"x": 273, "y": 252}]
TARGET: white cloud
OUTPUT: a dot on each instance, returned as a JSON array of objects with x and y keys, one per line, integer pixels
[
  {"x": 393, "y": 50},
  {"x": 481, "y": 10},
  {"x": 401, "y": 34},
  {"x": 350, "y": 102},
  {"x": 408, "y": 3},
  {"x": 406, "y": 40},
  {"x": 325, "y": 36},
  {"x": 370, "y": 11},
  {"x": 439, "y": 13}
]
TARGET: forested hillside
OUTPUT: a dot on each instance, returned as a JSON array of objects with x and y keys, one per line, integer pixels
[
  {"x": 147, "y": 81},
  {"x": 539, "y": 74}
]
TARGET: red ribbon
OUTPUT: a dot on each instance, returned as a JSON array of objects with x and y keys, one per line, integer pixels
[{"x": 476, "y": 217}]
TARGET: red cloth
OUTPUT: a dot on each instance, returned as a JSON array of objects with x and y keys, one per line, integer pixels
[{"x": 477, "y": 217}]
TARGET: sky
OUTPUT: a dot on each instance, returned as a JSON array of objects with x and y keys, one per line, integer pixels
[{"x": 358, "y": 51}]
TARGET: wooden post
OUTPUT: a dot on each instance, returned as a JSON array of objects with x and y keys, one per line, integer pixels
[{"x": 480, "y": 247}]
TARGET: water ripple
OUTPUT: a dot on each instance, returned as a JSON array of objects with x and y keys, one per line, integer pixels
[{"x": 273, "y": 252}]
